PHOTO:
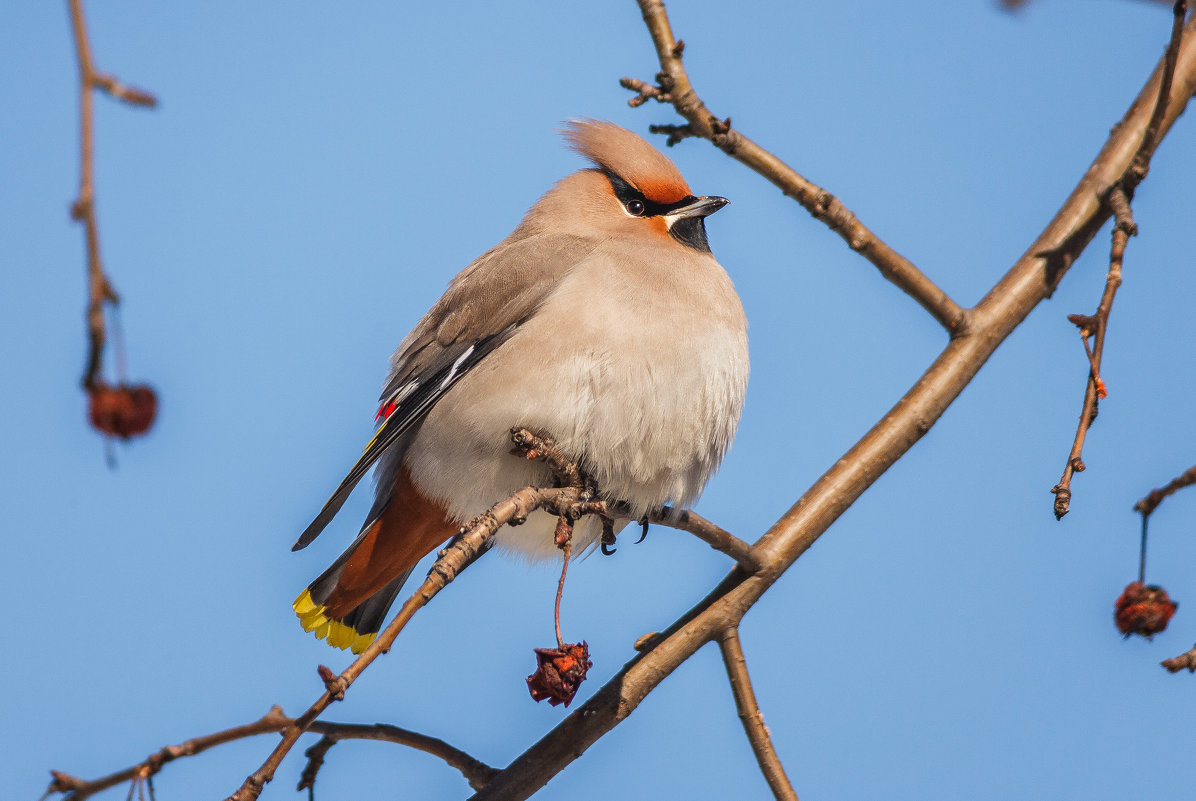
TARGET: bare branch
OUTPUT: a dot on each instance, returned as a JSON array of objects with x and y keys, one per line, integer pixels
[
  {"x": 100, "y": 289},
  {"x": 717, "y": 538},
  {"x": 643, "y": 92},
  {"x": 1095, "y": 326},
  {"x": 1151, "y": 138},
  {"x": 315, "y": 760},
  {"x": 752, "y": 719},
  {"x": 1185, "y": 660},
  {"x": 475, "y": 772},
  {"x": 1118, "y": 199},
  {"x": 126, "y": 94},
  {"x": 675, "y": 88},
  {"x": 1148, "y": 504},
  {"x": 79, "y": 789}
]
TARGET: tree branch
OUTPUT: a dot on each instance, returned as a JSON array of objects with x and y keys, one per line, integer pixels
[
  {"x": 1185, "y": 661},
  {"x": 752, "y": 719},
  {"x": 100, "y": 289},
  {"x": 717, "y": 538},
  {"x": 675, "y": 88},
  {"x": 1118, "y": 198},
  {"x": 1146, "y": 507},
  {"x": 1152, "y": 136},
  {"x": 1095, "y": 326},
  {"x": 1031, "y": 280},
  {"x": 475, "y": 772},
  {"x": 1151, "y": 501}
]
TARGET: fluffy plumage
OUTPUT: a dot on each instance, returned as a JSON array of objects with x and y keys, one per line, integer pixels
[{"x": 590, "y": 322}]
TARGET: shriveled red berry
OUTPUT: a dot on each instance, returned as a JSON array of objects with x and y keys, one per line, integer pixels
[
  {"x": 1143, "y": 609},
  {"x": 124, "y": 411},
  {"x": 559, "y": 673}
]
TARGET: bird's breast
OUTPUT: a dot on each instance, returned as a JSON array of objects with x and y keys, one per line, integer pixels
[{"x": 642, "y": 383}]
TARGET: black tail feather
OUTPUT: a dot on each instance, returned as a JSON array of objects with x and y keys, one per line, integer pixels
[{"x": 368, "y": 616}]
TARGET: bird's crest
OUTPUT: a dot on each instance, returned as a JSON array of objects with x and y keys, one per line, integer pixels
[{"x": 628, "y": 156}]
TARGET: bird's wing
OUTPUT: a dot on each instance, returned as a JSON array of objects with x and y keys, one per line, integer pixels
[{"x": 483, "y": 307}]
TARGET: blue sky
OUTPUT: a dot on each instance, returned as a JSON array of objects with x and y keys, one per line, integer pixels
[{"x": 313, "y": 178}]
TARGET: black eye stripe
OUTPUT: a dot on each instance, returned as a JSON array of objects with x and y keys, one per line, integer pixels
[{"x": 626, "y": 193}]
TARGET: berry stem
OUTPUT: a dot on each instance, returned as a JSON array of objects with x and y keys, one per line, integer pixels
[{"x": 1142, "y": 553}]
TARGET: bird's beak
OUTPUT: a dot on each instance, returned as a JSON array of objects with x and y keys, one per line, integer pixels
[{"x": 700, "y": 207}]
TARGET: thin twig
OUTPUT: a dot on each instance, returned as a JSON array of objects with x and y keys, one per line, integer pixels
[
  {"x": 675, "y": 88},
  {"x": 752, "y": 719},
  {"x": 714, "y": 536},
  {"x": 100, "y": 290},
  {"x": 1148, "y": 504},
  {"x": 566, "y": 552},
  {"x": 1151, "y": 501},
  {"x": 1142, "y": 553},
  {"x": 477, "y": 773},
  {"x": 1095, "y": 326},
  {"x": 1185, "y": 660},
  {"x": 79, "y": 789},
  {"x": 1118, "y": 199},
  {"x": 567, "y": 473},
  {"x": 315, "y": 760},
  {"x": 1150, "y": 137}
]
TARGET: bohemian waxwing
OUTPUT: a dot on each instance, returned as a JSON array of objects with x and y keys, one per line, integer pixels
[{"x": 604, "y": 321}]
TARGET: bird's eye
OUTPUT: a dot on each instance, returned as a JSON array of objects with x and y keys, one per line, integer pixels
[{"x": 635, "y": 208}]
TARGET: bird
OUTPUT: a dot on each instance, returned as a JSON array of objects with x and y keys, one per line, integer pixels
[{"x": 604, "y": 321}]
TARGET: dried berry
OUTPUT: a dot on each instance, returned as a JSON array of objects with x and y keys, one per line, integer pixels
[
  {"x": 123, "y": 411},
  {"x": 559, "y": 673},
  {"x": 1143, "y": 609}
]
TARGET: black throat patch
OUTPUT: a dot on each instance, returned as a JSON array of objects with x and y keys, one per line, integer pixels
[{"x": 691, "y": 232}]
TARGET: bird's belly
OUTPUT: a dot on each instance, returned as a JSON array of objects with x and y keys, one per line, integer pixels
[{"x": 647, "y": 413}]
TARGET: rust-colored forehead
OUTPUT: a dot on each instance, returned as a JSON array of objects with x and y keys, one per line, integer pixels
[{"x": 628, "y": 156}]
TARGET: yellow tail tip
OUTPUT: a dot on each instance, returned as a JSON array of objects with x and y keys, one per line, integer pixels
[
  {"x": 304, "y": 605},
  {"x": 362, "y": 641},
  {"x": 338, "y": 635}
]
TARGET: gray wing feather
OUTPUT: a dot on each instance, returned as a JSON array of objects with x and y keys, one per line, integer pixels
[{"x": 483, "y": 307}]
